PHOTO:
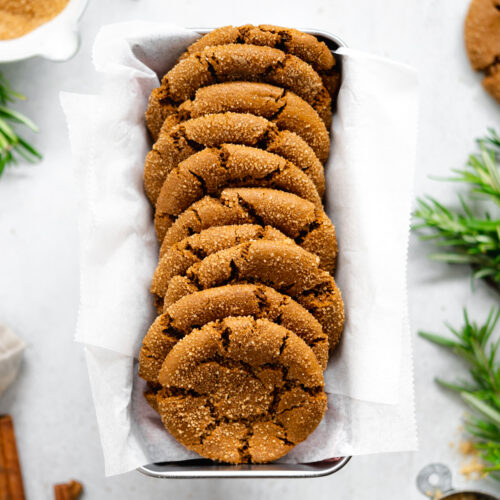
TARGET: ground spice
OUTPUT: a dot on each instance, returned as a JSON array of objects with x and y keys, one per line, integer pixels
[
  {"x": 18, "y": 17},
  {"x": 474, "y": 469}
]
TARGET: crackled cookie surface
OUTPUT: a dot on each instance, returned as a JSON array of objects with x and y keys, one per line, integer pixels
[
  {"x": 285, "y": 267},
  {"x": 235, "y": 62},
  {"x": 287, "y": 110},
  {"x": 297, "y": 218},
  {"x": 303, "y": 45},
  {"x": 241, "y": 390},
  {"x": 482, "y": 39},
  {"x": 199, "y": 308},
  {"x": 213, "y": 169},
  {"x": 182, "y": 141},
  {"x": 182, "y": 255}
]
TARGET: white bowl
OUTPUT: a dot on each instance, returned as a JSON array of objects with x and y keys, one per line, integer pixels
[{"x": 57, "y": 40}]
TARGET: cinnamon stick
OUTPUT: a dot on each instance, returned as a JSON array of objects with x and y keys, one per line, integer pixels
[
  {"x": 68, "y": 491},
  {"x": 11, "y": 480}
]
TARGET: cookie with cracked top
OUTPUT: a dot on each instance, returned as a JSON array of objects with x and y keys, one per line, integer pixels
[
  {"x": 187, "y": 138},
  {"x": 241, "y": 390},
  {"x": 202, "y": 307},
  {"x": 303, "y": 45},
  {"x": 213, "y": 169},
  {"x": 285, "y": 267},
  {"x": 235, "y": 62},
  {"x": 297, "y": 218},
  {"x": 287, "y": 110},
  {"x": 182, "y": 255},
  {"x": 482, "y": 40}
]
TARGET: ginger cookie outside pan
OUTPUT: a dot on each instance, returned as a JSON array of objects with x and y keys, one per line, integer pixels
[
  {"x": 182, "y": 255},
  {"x": 285, "y": 267},
  {"x": 295, "y": 217},
  {"x": 482, "y": 39},
  {"x": 287, "y": 110},
  {"x": 213, "y": 169},
  {"x": 202, "y": 307},
  {"x": 187, "y": 138},
  {"x": 241, "y": 390},
  {"x": 236, "y": 63}
]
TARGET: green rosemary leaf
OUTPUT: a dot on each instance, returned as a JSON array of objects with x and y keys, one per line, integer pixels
[
  {"x": 453, "y": 258},
  {"x": 12, "y": 145},
  {"x": 482, "y": 393},
  {"x": 437, "y": 339},
  {"x": 454, "y": 387},
  {"x": 29, "y": 148},
  {"x": 482, "y": 407},
  {"x": 471, "y": 238},
  {"x": 17, "y": 117}
]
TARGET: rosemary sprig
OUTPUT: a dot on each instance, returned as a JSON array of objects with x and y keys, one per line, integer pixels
[
  {"x": 482, "y": 392},
  {"x": 12, "y": 145},
  {"x": 467, "y": 237}
]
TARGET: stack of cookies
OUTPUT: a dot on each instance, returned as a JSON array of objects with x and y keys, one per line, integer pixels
[{"x": 248, "y": 309}]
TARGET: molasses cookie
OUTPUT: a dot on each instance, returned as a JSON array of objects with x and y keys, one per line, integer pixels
[
  {"x": 185, "y": 139},
  {"x": 285, "y": 267},
  {"x": 482, "y": 39},
  {"x": 213, "y": 169},
  {"x": 182, "y": 255},
  {"x": 231, "y": 63},
  {"x": 297, "y": 218},
  {"x": 287, "y": 110},
  {"x": 306, "y": 47},
  {"x": 241, "y": 390},
  {"x": 200, "y": 308},
  {"x": 302, "y": 45}
]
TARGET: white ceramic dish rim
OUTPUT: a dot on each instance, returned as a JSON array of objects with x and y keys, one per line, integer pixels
[{"x": 57, "y": 40}]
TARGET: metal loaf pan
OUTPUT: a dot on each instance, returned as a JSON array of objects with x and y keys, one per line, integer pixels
[{"x": 204, "y": 468}]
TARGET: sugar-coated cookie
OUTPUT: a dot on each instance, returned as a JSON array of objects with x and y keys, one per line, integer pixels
[
  {"x": 297, "y": 218},
  {"x": 211, "y": 170},
  {"x": 202, "y": 307},
  {"x": 287, "y": 110},
  {"x": 482, "y": 39},
  {"x": 185, "y": 139},
  {"x": 235, "y": 62},
  {"x": 285, "y": 267},
  {"x": 241, "y": 390},
  {"x": 182, "y": 255},
  {"x": 303, "y": 45}
]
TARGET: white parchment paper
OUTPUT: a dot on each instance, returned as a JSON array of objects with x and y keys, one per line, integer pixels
[{"x": 369, "y": 178}]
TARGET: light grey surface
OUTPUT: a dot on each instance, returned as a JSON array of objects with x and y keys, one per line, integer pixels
[{"x": 51, "y": 403}]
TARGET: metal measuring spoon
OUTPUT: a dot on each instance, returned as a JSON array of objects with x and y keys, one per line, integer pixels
[{"x": 434, "y": 481}]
